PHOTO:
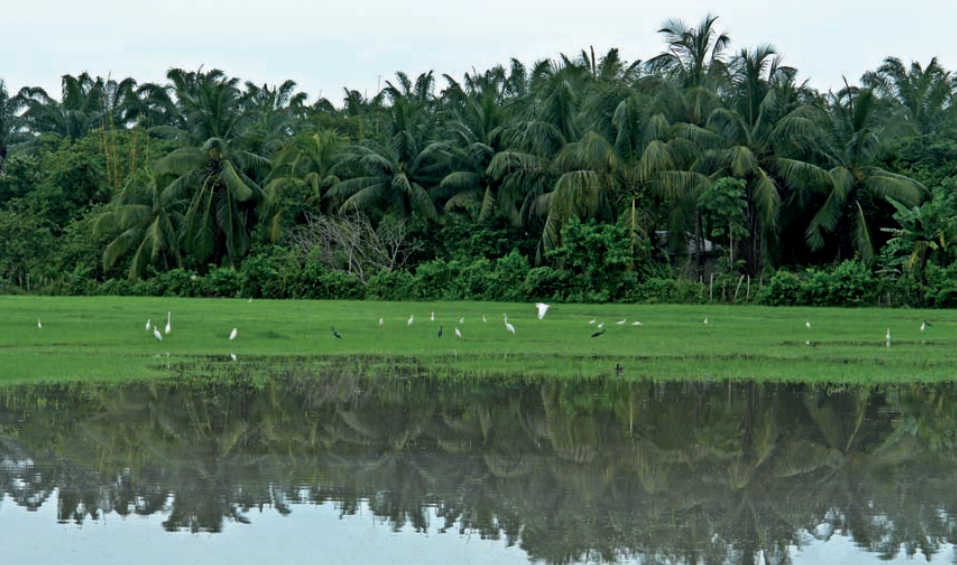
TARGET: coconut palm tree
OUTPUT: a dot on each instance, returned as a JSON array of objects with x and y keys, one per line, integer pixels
[
  {"x": 695, "y": 55},
  {"x": 10, "y": 123},
  {"x": 847, "y": 174},
  {"x": 925, "y": 93},
  {"x": 300, "y": 178},
  {"x": 146, "y": 221},
  {"x": 213, "y": 169}
]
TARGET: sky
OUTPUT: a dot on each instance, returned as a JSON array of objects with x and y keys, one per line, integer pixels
[{"x": 327, "y": 46}]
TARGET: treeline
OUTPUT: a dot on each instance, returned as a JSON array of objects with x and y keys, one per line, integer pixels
[{"x": 698, "y": 174}]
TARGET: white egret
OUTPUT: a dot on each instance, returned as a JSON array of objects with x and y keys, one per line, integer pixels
[
  {"x": 381, "y": 322},
  {"x": 462, "y": 320},
  {"x": 233, "y": 334},
  {"x": 432, "y": 317},
  {"x": 169, "y": 324},
  {"x": 542, "y": 309},
  {"x": 622, "y": 321},
  {"x": 157, "y": 333},
  {"x": 232, "y": 356},
  {"x": 807, "y": 324},
  {"x": 458, "y": 334},
  {"x": 887, "y": 338},
  {"x": 484, "y": 319},
  {"x": 148, "y": 322},
  {"x": 706, "y": 321},
  {"x": 411, "y": 319},
  {"x": 601, "y": 325},
  {"x": 508, "y": 326},
  {"x": 39, "y": 324},
  {"x": 925, "y": 324},
  {"x": 637, "y": 323},
  {"x": 592, "y": 322}
]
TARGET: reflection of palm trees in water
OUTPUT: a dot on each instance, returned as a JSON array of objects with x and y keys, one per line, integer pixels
[{"x": 566, "y": 469}]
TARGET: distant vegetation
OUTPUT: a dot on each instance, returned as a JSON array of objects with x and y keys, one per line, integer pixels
[{"x": 700, "y": 173}]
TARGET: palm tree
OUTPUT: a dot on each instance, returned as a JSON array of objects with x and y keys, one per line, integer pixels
[
  {"x": 695, "y": 56},
  {"x": 79, "y": 111},
  {"x": 148, "y": 222},
  {"x": 396, "y": 172},
  {"x": 10, "y": 123},
  {"x": 848, "y": 174},
  {"x": 925, "y": 94},
  {"x": 301, "y": 177},
  {"x": 213, "y": 169}
]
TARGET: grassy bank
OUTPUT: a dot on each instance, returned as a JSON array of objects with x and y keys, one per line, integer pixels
[{"x": 106, "y": 337}]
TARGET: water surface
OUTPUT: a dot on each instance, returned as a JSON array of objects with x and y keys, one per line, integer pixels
[{"x": 283, "y": 463}]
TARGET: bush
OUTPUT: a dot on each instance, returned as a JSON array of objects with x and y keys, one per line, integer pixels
[
  {"x": 222, "y": 282},
  {"x": 316, "y": 282},
  {"x": 783, "y": 289},
  {"x": 395, "y": 285}
]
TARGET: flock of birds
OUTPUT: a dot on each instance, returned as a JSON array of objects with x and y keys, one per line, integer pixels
[{"x": 540, "y": 306}]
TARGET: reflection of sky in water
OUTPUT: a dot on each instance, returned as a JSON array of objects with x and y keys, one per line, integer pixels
[{"x": 311, "y": 534}]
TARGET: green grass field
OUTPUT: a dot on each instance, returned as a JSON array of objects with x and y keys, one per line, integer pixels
[{"x": 106, "y": 337}]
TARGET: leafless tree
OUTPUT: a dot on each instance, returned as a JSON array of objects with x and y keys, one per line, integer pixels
[{"x": 350, "y": 244}]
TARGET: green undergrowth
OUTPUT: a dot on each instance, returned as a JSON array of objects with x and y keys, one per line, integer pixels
[{"x": 105, "y": 338}]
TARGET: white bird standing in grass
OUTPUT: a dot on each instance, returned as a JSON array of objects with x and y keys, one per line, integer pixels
[
  {"x": 508, "y": 326},
  {"x": 636, "y": 323},
  {"x": 458, "y": 334},
  {"x": 807, "y": 324},
  {"x": 381, "y": 322},
  {"x": 924, "y": 325},
  {"x": 233, "y": 334},
  {"x": 411, "y": 319},
  {"x": 39, "y": 324},
  {"x": 542, "y": 309},
  {"x": 432, "y": 317},
  {"x": 148, "y": 324},
  {"x": 462, "y": 320},
  {"x": 601, "y": 325},
  {"x": 484, "y": 319},
  {"x": 169, "y": 324},
  {"x": 622, "y": 321},
  {"x": 887, "y": 338},
  {"x": 157, "y": 334},
  {"x": 592, "y": 322}
]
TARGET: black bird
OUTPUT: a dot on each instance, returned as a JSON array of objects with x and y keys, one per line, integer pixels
[
  {"x": 619, "y": 369},
  {"x": 440, "y": 331},
  {"x": 335, "y": 333},
  {"x": 598, "y": 333}
]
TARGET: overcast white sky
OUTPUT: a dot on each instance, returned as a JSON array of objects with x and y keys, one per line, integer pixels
[{"x": 325, "y": 46}]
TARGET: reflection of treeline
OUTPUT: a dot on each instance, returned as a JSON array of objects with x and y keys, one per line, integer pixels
[{"x": 570, "y": 470}]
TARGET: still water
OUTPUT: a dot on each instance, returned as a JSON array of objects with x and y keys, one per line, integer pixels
[{"x": 285, "y": 464}]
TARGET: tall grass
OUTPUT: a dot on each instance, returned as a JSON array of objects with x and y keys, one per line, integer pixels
[{"x": 105, "y": 337}]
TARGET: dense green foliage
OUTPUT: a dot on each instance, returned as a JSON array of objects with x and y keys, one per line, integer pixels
[{"x": 581, "y": 179}]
